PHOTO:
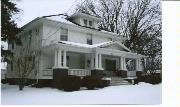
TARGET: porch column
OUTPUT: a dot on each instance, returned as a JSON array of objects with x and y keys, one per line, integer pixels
[
  {"x": 55, "y": 58},
  {"x": 100, "y": 62},
  {"x": 64, "y": 58},
  {"x": 123, "y": 63},
  {"x": 92, "y": 61},
  {"x": 59, "y": 59},
  {"x": 137, "y": 64},
  {"x": 96, "y": 60}
]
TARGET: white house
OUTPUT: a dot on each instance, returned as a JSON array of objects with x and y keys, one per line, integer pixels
[{"x": 75, "y": 46}]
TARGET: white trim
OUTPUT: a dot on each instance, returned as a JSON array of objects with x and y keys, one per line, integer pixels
[
  {"x": 112, "y": 43},
  {"x": 59, "y": 63},
  {"x": 64, "y": 58}
]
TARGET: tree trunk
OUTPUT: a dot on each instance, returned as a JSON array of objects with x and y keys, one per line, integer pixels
[{"x": 21, "y": 84}]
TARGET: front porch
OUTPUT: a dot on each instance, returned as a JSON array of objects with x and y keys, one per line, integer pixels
[{"x": 85, "y": 63}]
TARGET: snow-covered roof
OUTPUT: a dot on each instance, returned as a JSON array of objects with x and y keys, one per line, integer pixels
[
  {"x": 84, "y": 45},
  {"x": 108, "y": 32},
  {"x": 63, "y": 19},
  {"x": 60, "y": 18}
]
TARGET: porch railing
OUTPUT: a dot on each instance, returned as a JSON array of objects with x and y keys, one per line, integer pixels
[
  {"x": 47, "y": 72},
  {"x": 79, "y": 72},
  {"x": 131, "y": 73}
]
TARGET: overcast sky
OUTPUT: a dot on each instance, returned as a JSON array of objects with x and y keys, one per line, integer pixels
[{"x": 32, "y": 9}]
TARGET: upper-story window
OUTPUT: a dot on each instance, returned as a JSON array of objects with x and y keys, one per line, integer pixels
[
  {"x": 64, "y": 34},
  {"x": 90, "y": 23},
  {"x": 85, "y": 22},
  {"x": 89, "y": 39}
]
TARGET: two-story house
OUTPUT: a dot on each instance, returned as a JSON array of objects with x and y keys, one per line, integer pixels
[{"x": 75, "y": 46}]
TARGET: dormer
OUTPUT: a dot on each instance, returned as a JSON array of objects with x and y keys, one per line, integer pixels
[{"x": 85, "y": 20}]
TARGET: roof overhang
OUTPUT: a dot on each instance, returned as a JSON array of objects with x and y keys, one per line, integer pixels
[{"x": 84, "y": 49}]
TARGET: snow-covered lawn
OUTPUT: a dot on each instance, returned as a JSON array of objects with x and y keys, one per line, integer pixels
[{"x": 142, "y": 93}]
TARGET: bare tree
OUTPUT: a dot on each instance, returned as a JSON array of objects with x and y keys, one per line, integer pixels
[
  {"x": 26, "y": 60},
  {"x": 108, "y": 10},
  {"x": 138, "y": 20}
]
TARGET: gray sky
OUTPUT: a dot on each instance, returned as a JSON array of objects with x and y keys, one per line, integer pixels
[{"x": 36, "y": 8}]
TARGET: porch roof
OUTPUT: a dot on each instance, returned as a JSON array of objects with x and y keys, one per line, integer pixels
[
  {"x": 85, "y": 45},
  {"x": 96, "y": 48}
]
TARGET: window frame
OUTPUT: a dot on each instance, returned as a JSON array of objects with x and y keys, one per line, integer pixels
[
  {"x": 91, "y": 23},
  {"x": 64, "y": 35},
  {"x": 89, "y": 39},
  {"x": 85, "y": 22}
]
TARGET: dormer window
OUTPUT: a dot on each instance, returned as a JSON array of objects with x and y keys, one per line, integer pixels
[
  {"x": 90, "y": 23},
  {"x": 85, "y": 22}
]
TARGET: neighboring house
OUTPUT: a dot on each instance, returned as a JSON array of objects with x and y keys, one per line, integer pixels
[{"x": 75, "y": 46}]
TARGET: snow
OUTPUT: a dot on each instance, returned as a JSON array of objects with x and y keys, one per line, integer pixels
[
  {"x": 109, "y": 32},
  {"x": 142, "y": 93},
  {"x": 60, "y": 18},
  {"x": 84, "y": 45}
]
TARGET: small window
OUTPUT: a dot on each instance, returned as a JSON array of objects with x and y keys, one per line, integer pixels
[
  {"x": 89, "y": 39},
  {"x": 64, "y": 34},
  {"x": 90, "y": 23},
  {"x": 37, "y": 31},
  {"x": 85, "y": 22}
]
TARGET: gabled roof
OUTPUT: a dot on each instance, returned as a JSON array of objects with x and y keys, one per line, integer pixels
[{"x": 115, "y": 42}]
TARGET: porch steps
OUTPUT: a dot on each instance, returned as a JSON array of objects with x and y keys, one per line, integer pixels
[{"x": 118, "y": 81}]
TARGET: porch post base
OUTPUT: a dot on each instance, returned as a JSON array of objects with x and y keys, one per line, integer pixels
[
  {"x": 97, "y": 72},
  {"x": 123, "y": 73},
  {"x": 58, "y": 75}
]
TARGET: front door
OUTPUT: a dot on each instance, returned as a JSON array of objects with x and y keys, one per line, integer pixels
[{"x": 110, "y": 66}]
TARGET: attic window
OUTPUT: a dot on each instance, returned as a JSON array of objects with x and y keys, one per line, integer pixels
[
  {"x": 90, "y": 23},
  {"x": 85, "y": 22}
]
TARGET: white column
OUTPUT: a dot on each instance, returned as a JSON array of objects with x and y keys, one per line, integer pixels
[
  {"x": 137, "y": 64},
  {"x": 96, "y": 61},
  {"x": 122, "y": 63},
  {"x": 55, "y": 58},
  {"x": 100, "y": 61},
  {"x": 64, "y": 59},
  {"x": 59, "y": 59},
  {"x": 92, "y": 61}
]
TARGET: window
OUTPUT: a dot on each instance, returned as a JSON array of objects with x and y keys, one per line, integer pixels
[
  {"x": 85, "y": 22},
  {"x": 37, "y": 31},
  {"x": 89, "y": 39},
  {"x": 130, "y": 64},
  {"x": 64, "y": 34},
  {"x": 90, "y": 23}
]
